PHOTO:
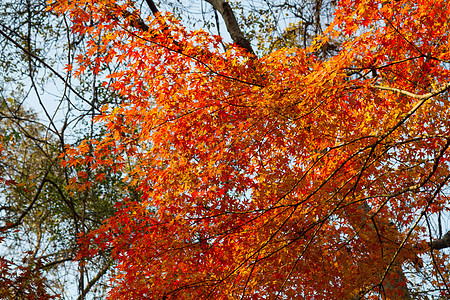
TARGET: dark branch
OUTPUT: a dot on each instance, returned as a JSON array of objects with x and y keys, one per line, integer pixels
[
  {"x": 232, "y": 25},
  {"x": 95, "y": 279},
  {"x": 152, "y": 6},
  {"x": 442, "y": 243},
  {"x": 30, "y": 206}
]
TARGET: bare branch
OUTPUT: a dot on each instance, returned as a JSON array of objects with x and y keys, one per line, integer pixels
[
  {"x": 412, "y": 95},
  {"x": 16, "y": 44}
]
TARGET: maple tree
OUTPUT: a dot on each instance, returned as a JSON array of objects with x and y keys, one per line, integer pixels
[{"x": 290, "y": 175}]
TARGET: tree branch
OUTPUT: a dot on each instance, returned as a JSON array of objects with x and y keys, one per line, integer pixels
[
  {"x": 232, "y": 25},
  {"x": 16, "y": 44},
  {"x": 152, "y": 6},
  {"x": 442, "y": 243},
  {"x": 412, "y": 95},
  {"x": 95, "y": 279},
  {"x": 30, "y": 206}
]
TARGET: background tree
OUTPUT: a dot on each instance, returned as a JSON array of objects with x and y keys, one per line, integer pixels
[{"x": 41, "y": 110}]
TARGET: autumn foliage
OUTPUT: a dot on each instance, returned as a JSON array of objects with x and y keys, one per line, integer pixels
[{"x": 292, "y": 175}]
